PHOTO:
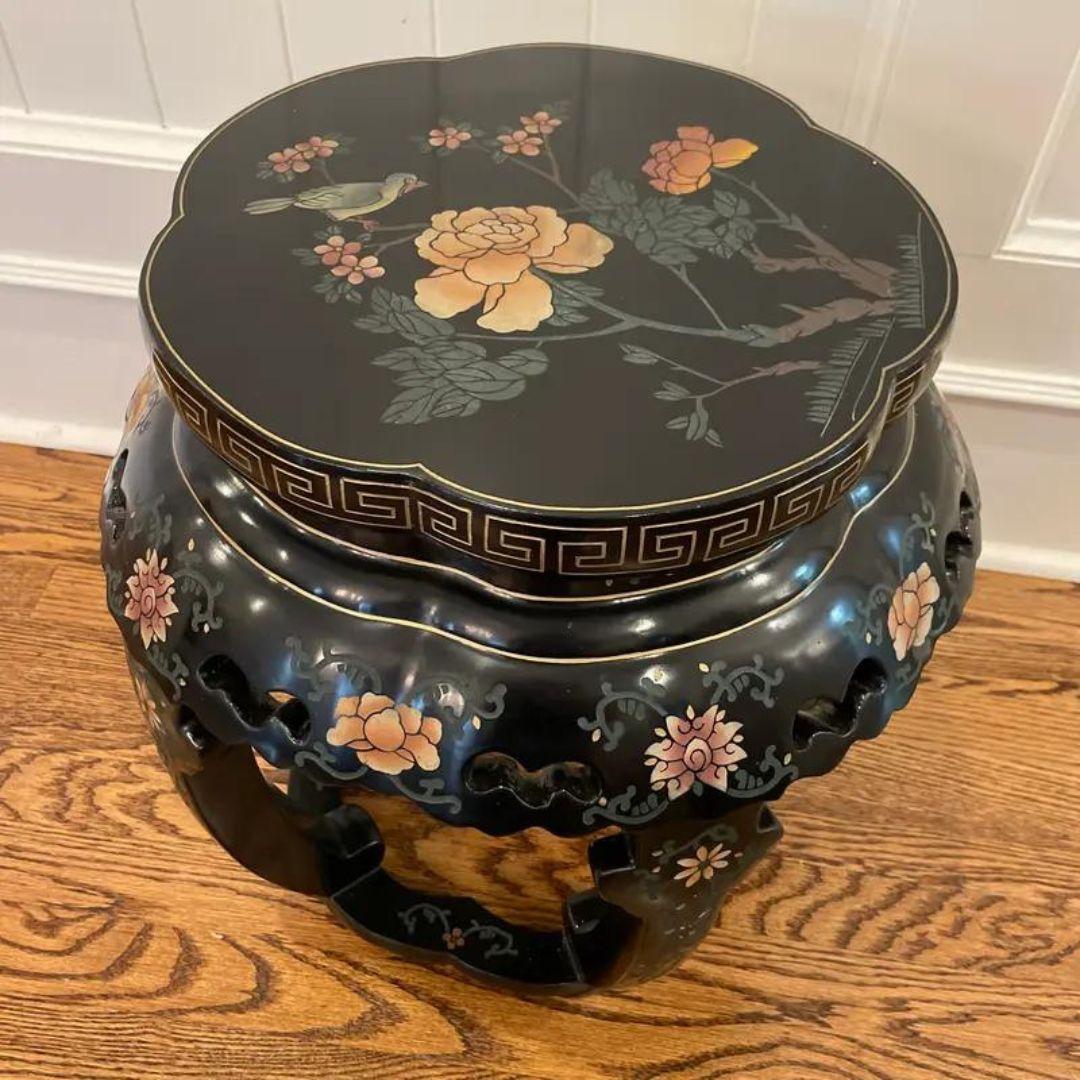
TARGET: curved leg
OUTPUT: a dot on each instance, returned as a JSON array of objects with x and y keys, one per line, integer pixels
[
  {"x": 657, "y": 891},
  {"x": 222, "y": 785}
]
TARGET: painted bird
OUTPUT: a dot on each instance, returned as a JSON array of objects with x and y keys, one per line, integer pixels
[{"x": 344, "y": 201}]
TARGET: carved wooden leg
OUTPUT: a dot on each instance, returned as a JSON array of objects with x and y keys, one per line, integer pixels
[
  {"x": 261, "y": 828},
  {"x": 658, "y": 888}
]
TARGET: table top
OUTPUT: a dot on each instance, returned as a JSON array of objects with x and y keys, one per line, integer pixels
[
  {"x": 554, "y": 276},
  {"x": 920, "y": 918}
]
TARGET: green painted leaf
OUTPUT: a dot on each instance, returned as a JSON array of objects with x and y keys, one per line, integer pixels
[
  {"x": 412, "y": 406},
  {"x": 638, "y": 354},
  {"x": 670, "y": 253},
  {"x": 525, "y": 361},
  {"x": 569, "y": 303},
  {"x": 488, "y": 380},
  {"x": 729, "y": 204},
  {"x": 394, "y": 313},
  {"x": 581, "y": 288},
  {"x": 567, "y": 317},
  {"x": 606, "y": 191},
  {"x": 697, "y": 425},
  {"x": 731, "y": 236},
  {"x": 402, "y": 359},
  {"x": 454, "y": 353}
]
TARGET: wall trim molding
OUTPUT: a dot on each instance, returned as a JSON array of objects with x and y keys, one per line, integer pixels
[
  {"x": 105, "y": 142},
  {"x": 101, "y": 279},
  {"x": 1035, "y": 237},
  {"x": 1054, "y": 241},
  {"x": 1015, "y": 386},
  {"x": 956, "y": 377}
]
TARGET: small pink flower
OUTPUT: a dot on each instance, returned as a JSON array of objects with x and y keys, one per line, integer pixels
[
  {"x": 316, "y": 146},
  {"x": 454, "y": 938},
  {"x": 150, "y": 598},
  {"x": 540, "y": 123},
  {"x": 288, "y": 160},
  {"x": 704, "y": 864},
  {"x": 912, "y": 610},
  {"x": 356, "y": 268},
  {"x": 521, "y": 142},
  {"x": 450, "y": 137},
  {"x": 335, "y": 249},
  {"x": 700, "y": 748}
]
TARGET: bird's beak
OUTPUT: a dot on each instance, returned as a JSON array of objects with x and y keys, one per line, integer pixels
[{"x": 412, "y": 185}]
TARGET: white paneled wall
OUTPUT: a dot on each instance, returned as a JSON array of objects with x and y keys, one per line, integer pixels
[{"x": 977, "y": 101}]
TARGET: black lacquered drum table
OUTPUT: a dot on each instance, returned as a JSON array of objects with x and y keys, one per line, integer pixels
[{"x": 545, "y": 436}]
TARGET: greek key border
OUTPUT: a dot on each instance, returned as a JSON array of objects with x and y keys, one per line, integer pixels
[{"x": 518, "y": 542}]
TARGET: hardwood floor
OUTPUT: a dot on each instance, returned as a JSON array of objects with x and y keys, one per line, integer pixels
[{"x": 921, "y": 918}]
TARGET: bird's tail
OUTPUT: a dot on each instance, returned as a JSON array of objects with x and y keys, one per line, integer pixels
[{"x": 267, "y": 206}]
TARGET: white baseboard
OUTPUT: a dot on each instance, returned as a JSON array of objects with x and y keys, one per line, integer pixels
[
  {"x": 60, "y": 435},
  {"x": 1026, "y": 559}
]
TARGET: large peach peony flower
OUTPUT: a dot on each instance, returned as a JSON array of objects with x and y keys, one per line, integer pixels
[
  {"x": 485, "y": 256},
  {"x": 912, "y": 610},
  {"x": 700, "y": 748},
  {"x": 387, "y": 737},
  {"x": 150, "y": 598},
  {"x": 682, "y": 165}
]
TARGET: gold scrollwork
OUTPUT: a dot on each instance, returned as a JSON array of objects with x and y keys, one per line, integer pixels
[
  {"x": 383, "y": 506},
  {"x": 506, "y": 541}
]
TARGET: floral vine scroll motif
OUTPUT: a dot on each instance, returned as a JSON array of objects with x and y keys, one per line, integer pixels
[
  {"x": 696, "y": 860},
  {"x": 146, "y": 598},
  {"x": 908, "y": 609},
  {"x": 694, "y": 751},
  {"x": 387, "y": 736},
  {"x": 494, "y": 940},
  {"x": 691, "y": 752},
  {"x": 373, "y": 734},
  {"x": 144, "y": 399}
]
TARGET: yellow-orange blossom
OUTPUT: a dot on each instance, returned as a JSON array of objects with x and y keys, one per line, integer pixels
[{"x": 485, "y": 257}]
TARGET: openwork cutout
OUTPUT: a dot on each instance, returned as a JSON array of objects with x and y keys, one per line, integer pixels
[
  {"x": 839, "y": 718},
  {"x": 958, "y": 543},
  {"x": 495, "y": 771},
  {"x": 221, "y": 673},
  {"x": 116, "y": 508}
]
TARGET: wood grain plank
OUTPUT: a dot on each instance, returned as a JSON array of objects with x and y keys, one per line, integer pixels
[{"x": 920, "y": 920}]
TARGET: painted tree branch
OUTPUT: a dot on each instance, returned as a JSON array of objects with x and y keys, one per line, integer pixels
[
  {"x": 814, "y": 319},
  {"x": 869, "y": 275}
]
